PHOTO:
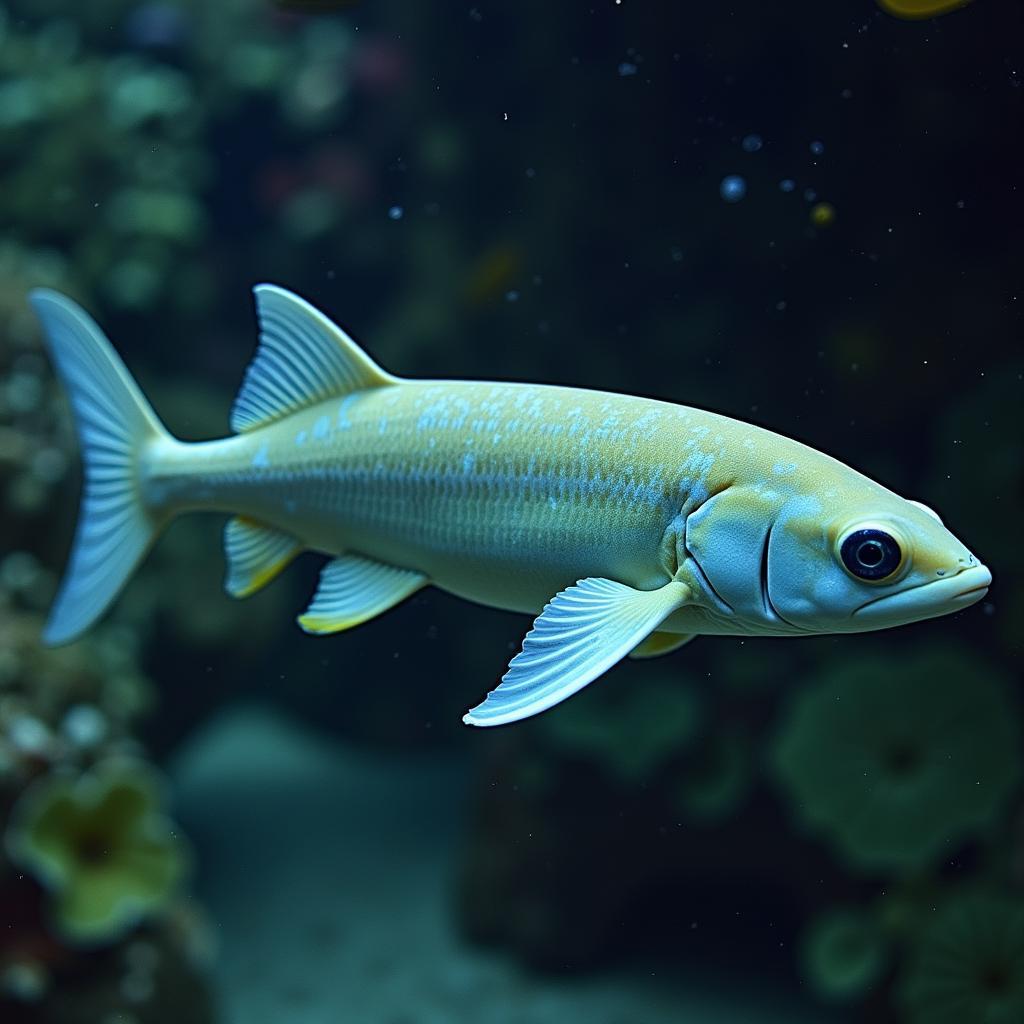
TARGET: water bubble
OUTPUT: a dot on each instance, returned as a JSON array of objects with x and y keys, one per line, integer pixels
[
  {"x": 396, "y": 212},
  {"x": 627, "y": 68},
  {"x": 752, "y": 143},
  {"x": 733, "y": 188},
  {"x": 787, "y": 185},
  {"x": 817, "y": 147}
]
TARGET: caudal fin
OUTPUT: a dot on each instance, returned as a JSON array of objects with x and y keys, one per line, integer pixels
[{"x": 114, "y": 423}]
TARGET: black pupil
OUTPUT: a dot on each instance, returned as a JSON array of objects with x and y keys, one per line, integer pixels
[{"x": 870, "y": 554}]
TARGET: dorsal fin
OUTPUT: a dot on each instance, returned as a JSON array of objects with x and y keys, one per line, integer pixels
[{"x": 303, "y": 358}]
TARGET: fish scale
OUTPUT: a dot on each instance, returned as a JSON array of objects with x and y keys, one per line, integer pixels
[{"x": 529, "y": 503}]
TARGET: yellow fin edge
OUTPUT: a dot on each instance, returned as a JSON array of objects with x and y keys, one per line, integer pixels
[{"x": 256, "y": 554}]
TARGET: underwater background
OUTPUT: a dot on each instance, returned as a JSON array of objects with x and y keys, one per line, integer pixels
[{"x": 806, "y": 215}]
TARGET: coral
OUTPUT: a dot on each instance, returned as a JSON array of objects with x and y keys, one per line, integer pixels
[
  {"x": 968, "y": 964},
  {"x": 66, "y": 706},
  {"x": 99, "y": 843},
  {"x": 843, "y": 954},
  {"x": 119, "y": 140},
  {"x": 633, "y": 730},
  {"x": 896, "y": 761},
  {"x": 716, "y": 777},
  {"x": 34, "y": 435}
]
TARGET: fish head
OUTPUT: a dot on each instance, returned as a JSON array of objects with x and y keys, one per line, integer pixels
[{"x": 867, "y": 560}]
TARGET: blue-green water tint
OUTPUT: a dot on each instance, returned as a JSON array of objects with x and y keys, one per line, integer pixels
[{"x": 535, "y": 193}]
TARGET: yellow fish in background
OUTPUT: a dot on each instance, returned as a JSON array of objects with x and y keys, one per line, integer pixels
[
  {"x": 913, "y": 10},
  {"x": 672, "y": 521}
]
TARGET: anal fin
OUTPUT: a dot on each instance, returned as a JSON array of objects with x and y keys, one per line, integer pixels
[
  {"x": 659, "y": 643},
  {"x": 255, "y": 554},
  {"x": 354, "y": 589}
]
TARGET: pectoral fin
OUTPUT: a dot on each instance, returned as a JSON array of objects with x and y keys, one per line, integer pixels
[
  {"x": 580, "y": 634},
  {"x": 354, "y": 589},
  {"x": 659, "y": 643}
]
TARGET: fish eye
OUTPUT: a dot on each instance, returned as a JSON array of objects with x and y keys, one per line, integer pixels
[{"x": 871, "y": 554}]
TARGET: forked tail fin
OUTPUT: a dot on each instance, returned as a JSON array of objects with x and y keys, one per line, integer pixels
[{"x": 114, "y": 424}]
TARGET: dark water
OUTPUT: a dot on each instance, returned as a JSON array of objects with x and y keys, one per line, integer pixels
[{"x": 803, "y": 215}]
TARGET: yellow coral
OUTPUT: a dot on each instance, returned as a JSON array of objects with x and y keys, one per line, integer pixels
[{"x": 101, "y": 845}]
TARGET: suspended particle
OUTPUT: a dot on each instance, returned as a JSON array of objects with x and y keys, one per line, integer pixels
[
  {"x": 396, "y": 212},
  {"x": 823, "y": 215},
  {"x": 752, "y": 143},
  {"x": 787, "y": 185},
  {"x": 817, "y": 147},
  {"x": 627, "y": 68},
  {"x": 810, "y": 195},
  {"x": 733, "y": 188}
]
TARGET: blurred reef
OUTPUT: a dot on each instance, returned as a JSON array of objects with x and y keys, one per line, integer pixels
[{"x": 806, "y": 218}]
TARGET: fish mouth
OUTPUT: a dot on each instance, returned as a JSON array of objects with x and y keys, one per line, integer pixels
[{"x": 937, "y": 597}]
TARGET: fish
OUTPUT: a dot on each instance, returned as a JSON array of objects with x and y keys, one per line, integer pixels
[
  {"x": 913, "y": 10},
  {"x": 624, "y": 524}
]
